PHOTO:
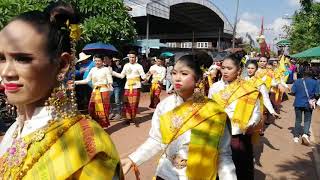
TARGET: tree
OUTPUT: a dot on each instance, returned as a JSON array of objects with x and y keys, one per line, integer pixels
[
  {"x": 306, "y": 4},
  {"x": 101, "y": 20},
  {"x": 305, "y": 30}
]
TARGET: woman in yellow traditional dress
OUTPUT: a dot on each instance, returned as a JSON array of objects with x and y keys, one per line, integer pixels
[
  {"x": 267, "y": 75},
  {"x": 276, "y": 92},
  {"x": 252, "y": 68},
  {"x": 189, "y": 129},
  {"x": 50, "y": 139},
  {"x": 241, "y": 102}
]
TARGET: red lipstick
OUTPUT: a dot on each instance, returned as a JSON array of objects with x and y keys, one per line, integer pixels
[
  {"x": 12, "y": 86},
  {"x": 178, "y": 86}
]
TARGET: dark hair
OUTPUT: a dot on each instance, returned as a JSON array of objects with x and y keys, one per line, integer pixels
[
  {"x": 307, "y": 72},
  {"x": 264, "y": 57},
  {"x": 98, "y": 56},
  {"x": 236, "y": 59},
  {"x": 161, "y": 58},
  {"x": 270, "y": 63},
  {"x": 252, "y": 62},
  {"x": 132, "y": 52},
  {"x": 195, "y": 63},
  {"x": 52, "y": 22}
]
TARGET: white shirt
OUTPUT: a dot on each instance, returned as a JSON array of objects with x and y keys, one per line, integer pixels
[
  {"x": 212, "y": 68},
  {"x": 168, "y": 76},
  {"x": 131, "y": 71},
  {"x": 153, "y": 145},
  {"x": 159, "y": 73},
  {"x": 265, "y": 97},
  {"x": 39, "y": 119},
  {"x": 255, "y": 117},
  {"x": 99, "y": 76}
]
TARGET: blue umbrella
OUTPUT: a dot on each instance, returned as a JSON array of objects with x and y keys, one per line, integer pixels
[
  {"x": 167, "y": 54},
  {"x": 100, "y": 48}
]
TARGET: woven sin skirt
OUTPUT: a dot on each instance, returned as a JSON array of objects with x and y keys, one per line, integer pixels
[
  {"x": 155, "y": 92},
  {"x": 131, "y": 102},
  {"x": 99, "y": 107}
]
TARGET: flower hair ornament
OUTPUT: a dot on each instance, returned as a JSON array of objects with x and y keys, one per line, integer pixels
[{"x": 62, "y": 102}]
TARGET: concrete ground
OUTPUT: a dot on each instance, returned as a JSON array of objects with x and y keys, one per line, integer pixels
[{"x": 277, "y": 157}]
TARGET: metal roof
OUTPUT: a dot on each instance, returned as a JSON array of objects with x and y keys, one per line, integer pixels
[{"x": 202, "y": 14}]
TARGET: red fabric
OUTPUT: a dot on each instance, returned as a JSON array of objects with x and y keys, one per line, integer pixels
[
  {"x": 131, "y": 102},
  {"x": 103, "y": 120},
  {"x": 155, "y": 97}
]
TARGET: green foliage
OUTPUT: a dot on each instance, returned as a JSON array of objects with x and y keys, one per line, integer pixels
[
  {"x": 101, "y": 20},
  {"x": 305, "y": 30}
]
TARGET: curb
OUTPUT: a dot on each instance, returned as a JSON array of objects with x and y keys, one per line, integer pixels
[
  {"x": 316, "y": 161},
  {"x": 315, "y": 153}
]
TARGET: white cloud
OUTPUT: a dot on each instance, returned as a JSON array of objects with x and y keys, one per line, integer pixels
[
  {"x": 252, "y": 27},
  {"x": 248, "y": 16},
  {"x": 245, "y": 27},
  {"x": 275, "y": 29},
  {"x": 294, "y": 3}
]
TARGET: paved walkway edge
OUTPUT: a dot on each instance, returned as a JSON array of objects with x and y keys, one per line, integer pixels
[
  {"x": 316, "y": 155},
  {"x": 316, "y": 161}
]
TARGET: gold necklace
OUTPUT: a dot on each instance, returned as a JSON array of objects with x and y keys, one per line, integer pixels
[
  {"x": 178, "y": 119},
  {"x": 13, "y": 159}
]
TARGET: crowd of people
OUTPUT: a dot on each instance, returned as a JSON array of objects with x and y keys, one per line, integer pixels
[{"x": 204, "y": 129}]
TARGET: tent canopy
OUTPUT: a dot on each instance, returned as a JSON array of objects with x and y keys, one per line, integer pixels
[
  {"x": 284, "y": 42},
  {"x": 309, "y": 53}
]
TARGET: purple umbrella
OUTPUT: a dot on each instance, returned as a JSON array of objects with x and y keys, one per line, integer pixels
[{"x": 100, "y": 48}]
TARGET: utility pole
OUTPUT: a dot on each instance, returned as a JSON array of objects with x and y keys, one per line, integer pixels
[
  {"x": 235, "y": 26},
  {"x": 147, "y": 35}
]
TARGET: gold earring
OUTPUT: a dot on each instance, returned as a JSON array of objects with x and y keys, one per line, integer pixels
[
  {"x": 58, "y": 100},
  {"x": 198, "y": 93}
]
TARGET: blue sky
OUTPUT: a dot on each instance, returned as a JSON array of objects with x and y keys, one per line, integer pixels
[{"x": 251, "y": 12}]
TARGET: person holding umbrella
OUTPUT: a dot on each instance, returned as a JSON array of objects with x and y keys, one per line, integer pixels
[
  {"x": 132, "y": 71},
  {"x": 99, "y": 105}
]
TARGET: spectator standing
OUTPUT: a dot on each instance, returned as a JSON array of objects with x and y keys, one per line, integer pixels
[
  {"x": 169, "y": 85},
  {"x": 118, "y": 86},
  {"x": 83, "y": 92},
  {"x": 305, "y": 90}
]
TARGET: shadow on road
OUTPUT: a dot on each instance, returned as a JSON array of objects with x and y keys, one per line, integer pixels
[
  {"x": 300, "y": 131},
  {"x": 258, "y": 149},
  {"x": 122, "y": 124},
  {"x": 300, "y": 168}
]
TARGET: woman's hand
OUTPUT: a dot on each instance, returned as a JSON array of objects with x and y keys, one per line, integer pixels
[
  {"x": 126, "y": 165},
  {"x": 250, "y": 129},
  {"x": 275, "y": 114},
  {"x": 71, "y": 84}
]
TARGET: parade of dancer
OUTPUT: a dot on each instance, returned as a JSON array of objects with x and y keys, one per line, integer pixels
[
  {"x": 252, "y": 68},
  {"x": 242, "y": 104},
  {"x": 133, "y": 72},
  {"x": 158, "y": 72},
  {"x": 101, "y": 78},
  {"x": 190, "y": 129}
]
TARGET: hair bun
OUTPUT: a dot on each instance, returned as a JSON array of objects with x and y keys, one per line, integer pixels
[
  {"x": 59, "y": 13},
  {"x": 203, "y": 59}
]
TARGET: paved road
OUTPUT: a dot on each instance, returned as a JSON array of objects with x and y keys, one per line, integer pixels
[{"x": 277, "y": 156}]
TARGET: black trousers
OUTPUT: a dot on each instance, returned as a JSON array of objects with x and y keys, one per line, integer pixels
[{"x": 242, "y": 156}]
